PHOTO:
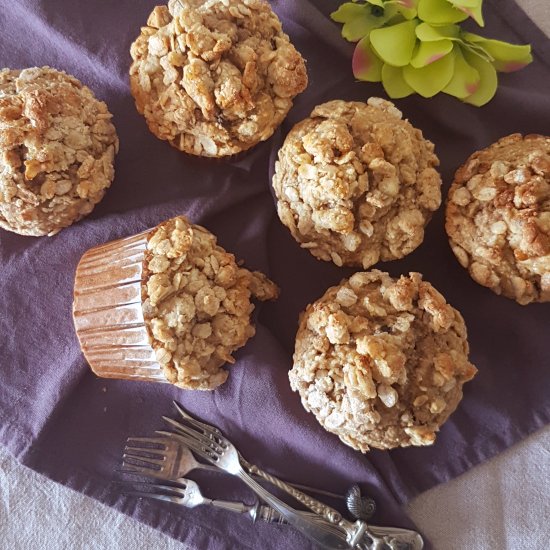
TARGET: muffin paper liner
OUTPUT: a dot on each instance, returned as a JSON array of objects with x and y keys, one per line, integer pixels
[{"x": 108, "y": 314}]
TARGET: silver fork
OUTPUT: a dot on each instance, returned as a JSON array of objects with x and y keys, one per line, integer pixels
[
  {"x": 222, "y": 454},
  {"x": 330, "y": 514},
  {"x": 187, "y": 493},
  {"x": 357, "y": 533},
  {"x": 216, "y": 449},
  {"x": 171, "y": 460}
]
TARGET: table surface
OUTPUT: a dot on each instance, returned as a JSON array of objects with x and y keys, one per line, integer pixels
[{"x": 501, "y": 504}]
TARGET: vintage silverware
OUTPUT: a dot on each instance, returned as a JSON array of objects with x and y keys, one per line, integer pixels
[
  {"x": 187, "y": 493},
  {"x": 224, "y": 455},
  {"x": 165, "y": 458},
  {"x": 209, "y": 443}
]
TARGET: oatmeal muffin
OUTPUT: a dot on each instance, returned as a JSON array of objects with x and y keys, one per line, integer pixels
[
  {"x": 356, "y": 184},
  {"x": 215, "y": 77},
  {"x": 498, "y": 217},
  {"x": 57, "y": 148},
  {"x": 166, "y": 305},
  {"x": 381, "y": 362}
]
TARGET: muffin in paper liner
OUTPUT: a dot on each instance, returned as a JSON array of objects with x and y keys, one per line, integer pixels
[
  {"x": 107, "y": 311},
  {"x": 167, "y": 305}
]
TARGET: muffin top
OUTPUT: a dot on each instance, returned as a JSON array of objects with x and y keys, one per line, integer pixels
[
  {"x": 381, "y": 362},
  {"x": 356, "y": 184},
  {"x": 215, "y": 77},
  {"x": 57, "y": 146},
  {"x": 196, "y": 303},
  {"x": 498, "y": 217}
]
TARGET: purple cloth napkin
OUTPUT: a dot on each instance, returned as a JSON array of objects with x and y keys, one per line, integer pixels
[{"x": 61, "y": 420}]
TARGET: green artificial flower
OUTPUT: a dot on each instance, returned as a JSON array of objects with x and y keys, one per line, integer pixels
[{"x": 418, "y": 46}]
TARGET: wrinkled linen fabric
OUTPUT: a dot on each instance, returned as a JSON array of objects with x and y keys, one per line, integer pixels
[{"x": 62, "y": 421}]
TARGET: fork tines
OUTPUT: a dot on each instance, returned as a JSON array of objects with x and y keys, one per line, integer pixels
[{"x": 145, "y": 455}]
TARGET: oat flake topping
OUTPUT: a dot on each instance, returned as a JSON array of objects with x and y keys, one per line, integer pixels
[
  {"x": 196, "y": 303},
  {"x": 215, "y": 77},
  {"x": 57, "y": 146},
  {"x": 357, "y": 184},
  {"x": 381, "y": 362},
  {"x": 498, "y": 217}
]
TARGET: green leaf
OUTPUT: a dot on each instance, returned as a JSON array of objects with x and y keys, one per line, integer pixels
[
  {"x": 508, "y": 57},
  {"x": 475, "y": 13},
  {"x": 395, "y": 44},
  {"x": 407, "y": 8},
  {"x": 465, "y": 3},
  {"x": 427, "y": 33},
  {"x": 488, "y": 83},
  {"x": 439, "y": 12},
  {"x": 378, "y": 3},
  {"x": 360, "y": 27},
  {"x": 431, "y": 79},
  {"x": 394, "y": 83},
  {"x": 365, "y": 63},
  {"x": 348, "y": 11},
  {"x": 429, "y": 52},
  {"x": 465, "y": 80},
  {"x": 473, "y": 8}
]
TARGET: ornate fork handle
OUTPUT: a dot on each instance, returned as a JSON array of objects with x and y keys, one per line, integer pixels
[
  {"x": 327, "y": 535},
  {"x": 330, "y": 514}
]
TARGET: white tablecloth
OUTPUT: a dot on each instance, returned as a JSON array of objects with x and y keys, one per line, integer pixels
[{"x": 503, "y": 504}]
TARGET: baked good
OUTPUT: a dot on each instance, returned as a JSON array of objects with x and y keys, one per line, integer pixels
[
  {"x": 498, "y": 217},
  {"x": 167, "y": 305},
  {"x": 381, "y": 362},
  {"x": 356, "y": 184},
  {"x": 57, "y": 147},
  {"x": 215, "y": 77}
]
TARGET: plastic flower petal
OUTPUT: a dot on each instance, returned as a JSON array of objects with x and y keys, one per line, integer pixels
[
  {"x": 465, "y": 80},
  {"x": 407, "y": 8},
  {"x": 439, "y": 12},
  {"x": 394, "y": 83},
  {"x": 427, "y": 33},
  {"x": 366, "y": 64},
  {"x": 472, "y": 8},
  {"x": 431, "y": 79},
  {"x": 395, "y": 44},
  {"x": 358, "y": 20},
  {"x": 488, "y": 83},
  {"x": 430, "y": 52},
  {"x": 506, "y": 57}
]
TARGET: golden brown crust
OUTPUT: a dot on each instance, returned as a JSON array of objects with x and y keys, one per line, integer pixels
[
  {"x": 57, "y": 147},
  {"x": 381, "y": 362},
  {"x": 356, "y": 184},
  {"x": 215, "y": 77},
  {"x": 197, "y": 303},
  {"x": 498, "y": 217}
]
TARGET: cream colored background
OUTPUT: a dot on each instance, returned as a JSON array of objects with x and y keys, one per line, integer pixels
[{"x": 503, "y": 504}]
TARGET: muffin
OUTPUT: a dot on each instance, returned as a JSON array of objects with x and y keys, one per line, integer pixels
[
  {"x": 498, "y": 217},
  {"x": 167, "y": 305},
  {"x": 215, "y": 77},
  {"x": 356, "y": 184},
  {"x": 57, "y": 148},
  {"x": 381, "y": 362}
]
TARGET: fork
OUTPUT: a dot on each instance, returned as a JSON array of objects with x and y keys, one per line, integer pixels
[
  {"x": 210, "y": 445},
  {"x": 204, "y": 439},
  {"x": 187, "y": 493},
  {"x": 208, "y": 431},
  {"x": 223, "y": 454},
  {"x": 170, "y": 460}
]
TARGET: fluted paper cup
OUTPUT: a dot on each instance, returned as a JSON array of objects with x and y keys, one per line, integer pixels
[{"x": 107, "y": 311}]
